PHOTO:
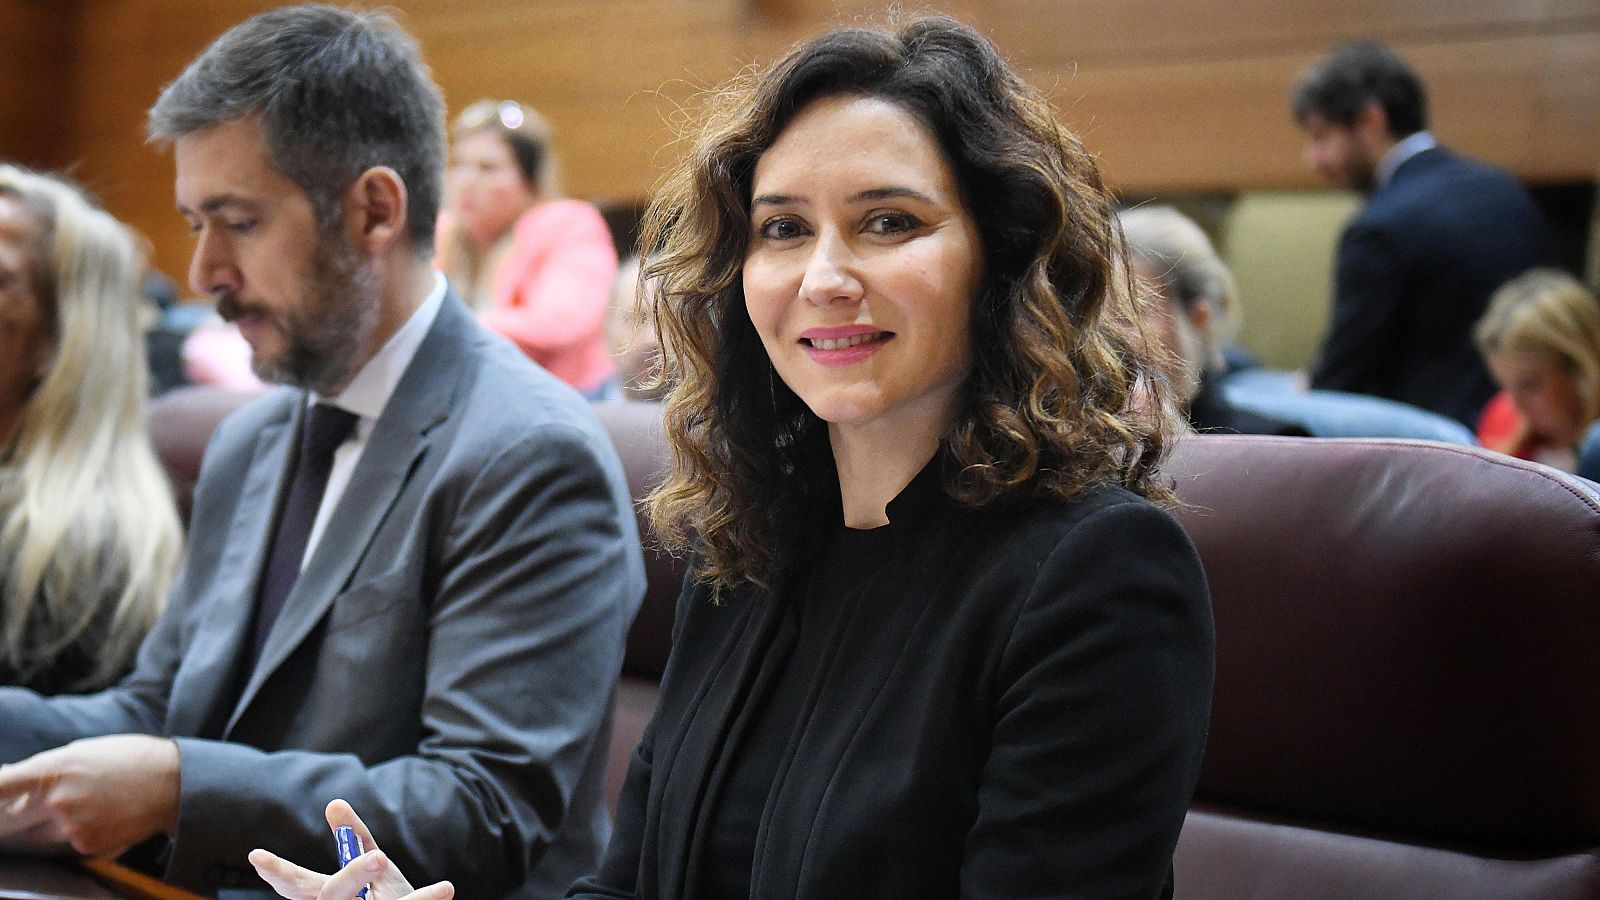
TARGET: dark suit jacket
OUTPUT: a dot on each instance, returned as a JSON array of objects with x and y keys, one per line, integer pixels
[
  {"x": 1211, "y": 411},
  {"x": 445, "y": 662},
  {"x": 1017, "y": 710},
  {"x": 1414, "y": 273}
]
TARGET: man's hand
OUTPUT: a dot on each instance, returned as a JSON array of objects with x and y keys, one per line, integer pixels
[
  {"x": 372, "y": 867},
  {"x": 99, "y": 796}
]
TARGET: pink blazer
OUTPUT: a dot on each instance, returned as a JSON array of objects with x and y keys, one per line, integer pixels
[{"x": 552, "y": 289}]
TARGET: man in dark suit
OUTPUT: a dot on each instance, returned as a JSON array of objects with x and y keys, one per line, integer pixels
[
  {"x": 411, "y": 569},
  {"x": 1438, "y": 235}
]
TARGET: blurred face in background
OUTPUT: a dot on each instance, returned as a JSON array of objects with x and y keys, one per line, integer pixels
[
  {"x": 485, "y": 188},
  {"x": 1340, "y": 153},
  {"x": 1544, "y": 391},
  {"x": 24, "y": 333},
  {"x": 1178, "y": 332},
  {"x": 631, "y": 333}
]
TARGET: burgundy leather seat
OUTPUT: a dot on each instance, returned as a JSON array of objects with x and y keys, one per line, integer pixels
[
  {"x": 1408, "y": 673},
  {"x": 1408, "y": 665},
  {"x": 181, "y": 422},
  {"x": 635, "y": 428}
]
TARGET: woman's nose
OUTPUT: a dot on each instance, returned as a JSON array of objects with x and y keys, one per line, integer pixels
[{"x": 832, "y": 274}]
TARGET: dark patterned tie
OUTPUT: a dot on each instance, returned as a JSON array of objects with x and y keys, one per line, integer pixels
[{"x": 326, "y": 427}]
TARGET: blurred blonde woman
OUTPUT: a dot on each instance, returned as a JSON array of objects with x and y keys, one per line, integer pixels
[
  {"x": 537, "y": 268},
  {"x": 1541, "y": 340},
  {"x": 89, "y": 537}
]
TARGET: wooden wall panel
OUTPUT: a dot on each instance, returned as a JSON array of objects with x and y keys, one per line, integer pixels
[
  {"x": 38, "y": 52},
  {"x": 1529, "y": 103},
  {"x": 1097, "y": 33},
  {"x": 1175, "y": 95},
  {"x": 129, "y": 49}
]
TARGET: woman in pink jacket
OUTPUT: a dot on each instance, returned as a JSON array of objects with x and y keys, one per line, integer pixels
[{"x": 536, "y": 268}]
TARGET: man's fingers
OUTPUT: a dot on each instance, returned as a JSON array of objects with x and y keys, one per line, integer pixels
[
  {"x": 341, "y": 813},
  {"x": 443, "y": 890},
  {"x": 387, "y": 881},
  {"x": 372, "y": 867},
  {"x": 22, "y": 806},
  {"x": 288, "y": 879}
]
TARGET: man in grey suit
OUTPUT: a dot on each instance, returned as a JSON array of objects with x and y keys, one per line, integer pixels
[{"x": 411, "y": 569}]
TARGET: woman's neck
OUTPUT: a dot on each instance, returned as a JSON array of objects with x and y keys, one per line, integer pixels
[
  {"x": 876, "y": 461},
  {"x": 481, "y": 243}
]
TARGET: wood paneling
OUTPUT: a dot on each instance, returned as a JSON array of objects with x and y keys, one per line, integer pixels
[
  {"x": 1133, "y": 33},
  {"x": 1529, "y": 103},
  {"x": 38, "y": 53},
  {"x": 1174, "y": 95}
]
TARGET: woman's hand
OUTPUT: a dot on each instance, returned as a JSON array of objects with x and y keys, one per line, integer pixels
[{"x": 371, "y": 867}]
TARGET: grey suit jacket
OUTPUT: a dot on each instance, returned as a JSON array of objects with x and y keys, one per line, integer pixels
[{"x": 446, "y": 661}]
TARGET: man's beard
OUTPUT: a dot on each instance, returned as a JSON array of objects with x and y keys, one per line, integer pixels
[{"x": 323, "y": 345}]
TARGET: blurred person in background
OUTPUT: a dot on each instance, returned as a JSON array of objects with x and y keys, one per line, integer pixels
[
  {"x": 89, "y": 534},
  {"x": 537, "y": 268},
  {"x": 1189, "y": 307},
  {"x": 1541, "y": 339},
  {"x": 1439, "y": 233},
  {"x": 631, "y": 333}
]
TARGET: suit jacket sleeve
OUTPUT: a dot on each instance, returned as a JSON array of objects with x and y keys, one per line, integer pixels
[
  {"x": 1103, "y": 702},
  {"x": 618, "y": 878},
  {"x": 527, "y": 618},
  {"x": 137, "y": 705},
  {"x": 619, "y": 871},
  {"x": 1369, "y": 292}
]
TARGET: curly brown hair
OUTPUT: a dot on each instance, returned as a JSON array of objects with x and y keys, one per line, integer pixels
[{"x": 1060, "y": 396}]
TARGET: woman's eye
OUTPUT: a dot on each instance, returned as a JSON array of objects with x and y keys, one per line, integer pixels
[
  {"x": 243, "y": 227},
  {"x": 892, "y": 223},
  {"x": 782, "y": 230}
]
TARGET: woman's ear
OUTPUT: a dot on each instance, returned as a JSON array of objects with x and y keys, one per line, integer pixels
[{"x": 375, "y": 210}]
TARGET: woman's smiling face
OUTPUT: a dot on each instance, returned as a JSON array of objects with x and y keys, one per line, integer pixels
[{"x": 863, "y": 265}]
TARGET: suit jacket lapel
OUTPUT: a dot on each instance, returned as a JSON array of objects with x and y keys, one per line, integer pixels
[
  {"x": 399, "y": 439},
  {"x": 208, "y": 679},
  {"x": 693, "y": 763}
]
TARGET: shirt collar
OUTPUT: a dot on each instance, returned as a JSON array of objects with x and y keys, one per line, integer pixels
[
  {"x": 1404, "y": 149},
  {"x": 368, "y": 393}
]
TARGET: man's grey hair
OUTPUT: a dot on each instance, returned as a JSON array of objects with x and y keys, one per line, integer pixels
[
  {"x": 337, "y": 92},
  {"x": 1186, "y": 267}
]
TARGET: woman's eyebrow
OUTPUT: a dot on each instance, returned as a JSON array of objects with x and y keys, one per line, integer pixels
[
  {"x": 870, "y": 194},
  {"x": 775, "y": 200},
  {"x": 892, "y": 193}
]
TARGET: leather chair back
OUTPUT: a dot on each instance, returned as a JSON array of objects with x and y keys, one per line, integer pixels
[
  {"x": 1408, "y": 672},
  {"x": 181, "y": 423}
]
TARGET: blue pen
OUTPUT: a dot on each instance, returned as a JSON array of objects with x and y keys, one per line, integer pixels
[{"x": 350, "y": 847}]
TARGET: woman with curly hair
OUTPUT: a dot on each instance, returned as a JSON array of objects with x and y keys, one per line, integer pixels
[
  {"x": 937, "y": 641},
  {"x": 89, "y": 534}
]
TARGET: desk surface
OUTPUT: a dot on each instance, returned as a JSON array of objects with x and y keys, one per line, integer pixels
[{"x": 23, "y": 878}]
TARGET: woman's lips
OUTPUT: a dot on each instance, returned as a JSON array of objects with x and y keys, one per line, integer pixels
[{"x": 843, "y": 346}]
